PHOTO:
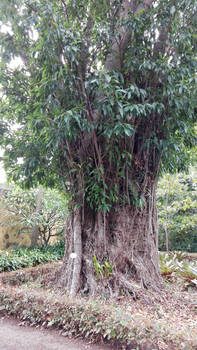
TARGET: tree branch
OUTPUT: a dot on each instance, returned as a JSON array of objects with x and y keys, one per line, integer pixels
[
  {"x": 113, "y": 60},
  {"x": 65, "y": 8}
]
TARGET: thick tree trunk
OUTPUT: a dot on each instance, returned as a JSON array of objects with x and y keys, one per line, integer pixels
[{"x": 105, "y": 253}]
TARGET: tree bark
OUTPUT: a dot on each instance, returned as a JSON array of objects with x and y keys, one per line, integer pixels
[
  {"x": 77, "y": 253},
  {"x": 125, "y": 238},
  {"x": 36, "y": 230},
  {"x": 166, "y": 222}
]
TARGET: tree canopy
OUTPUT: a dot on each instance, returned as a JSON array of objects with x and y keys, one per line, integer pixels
[{"x": 62, "y": 78}]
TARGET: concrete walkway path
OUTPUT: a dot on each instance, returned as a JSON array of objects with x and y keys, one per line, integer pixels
[{"x": 16, "y": 337}]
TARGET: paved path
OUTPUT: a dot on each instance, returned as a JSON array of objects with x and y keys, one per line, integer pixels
[{"x": 15, "y": 337}]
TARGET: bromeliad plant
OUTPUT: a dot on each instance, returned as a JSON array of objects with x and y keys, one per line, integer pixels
[{"x": 177, "y": 266}]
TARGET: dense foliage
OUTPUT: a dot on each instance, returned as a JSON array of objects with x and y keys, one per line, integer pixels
[
  {"x": 177, "y": 211},
  {"x": 59, "y": 79},
  {"x": 26, "y": 257}
]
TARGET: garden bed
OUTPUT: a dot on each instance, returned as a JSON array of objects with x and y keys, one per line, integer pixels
[{"x": 165, "y": 320}]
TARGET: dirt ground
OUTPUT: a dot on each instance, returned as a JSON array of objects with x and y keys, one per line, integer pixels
[{"x": 16, "y": 337}]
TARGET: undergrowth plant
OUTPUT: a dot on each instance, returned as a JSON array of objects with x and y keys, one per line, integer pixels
[
  {"x": 94, "y": 320},
  {"x": 26, "y": 257},
  {"x": 175, "y": 265},
  {"x": 103, "y": 270}
]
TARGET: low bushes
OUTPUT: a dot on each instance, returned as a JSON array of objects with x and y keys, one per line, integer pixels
[
  {"x": 27, "y": 257},
  {"x": 98, "y": 320},
  {"x": 172, "y": 265}
]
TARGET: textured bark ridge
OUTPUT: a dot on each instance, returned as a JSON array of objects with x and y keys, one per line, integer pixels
[
  {"x": 125, "y": 238},
  {"x": 36, "y": 231}
]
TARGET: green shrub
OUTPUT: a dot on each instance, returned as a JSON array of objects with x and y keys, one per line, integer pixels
[{"x": 26, "y": 257}]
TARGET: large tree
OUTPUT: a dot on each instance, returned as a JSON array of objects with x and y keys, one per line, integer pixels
[{"x": 103, "y": 98}]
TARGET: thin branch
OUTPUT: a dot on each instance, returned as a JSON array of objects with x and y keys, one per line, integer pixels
[{"x": 65, "y": 8}]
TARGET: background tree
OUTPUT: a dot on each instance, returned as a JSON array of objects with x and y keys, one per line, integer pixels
[
  {"x": 20, "y": 211},
  {"x": 104, "y": 97},
  {"x": 36, "y": 229},
  {"x": 177, "y": 211}
]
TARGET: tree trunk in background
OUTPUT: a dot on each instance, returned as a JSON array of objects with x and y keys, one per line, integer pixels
[
  {"x": 36, "y": 230},
  {"x": 166, "y": 222}
]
